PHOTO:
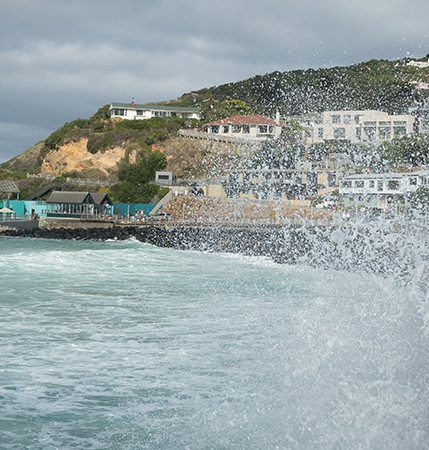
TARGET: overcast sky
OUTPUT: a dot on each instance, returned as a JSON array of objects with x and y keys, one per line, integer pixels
[{"x": 63, "y": 59}]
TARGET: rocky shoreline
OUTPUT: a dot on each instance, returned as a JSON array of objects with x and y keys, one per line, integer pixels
[
  {"x": 261, "y": 241},
  {"x": 353, "y": 247}
]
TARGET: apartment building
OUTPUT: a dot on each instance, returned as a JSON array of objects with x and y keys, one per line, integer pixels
[
  {"x": 381, "y": 189},
  {"x": 360, "y": 127}
]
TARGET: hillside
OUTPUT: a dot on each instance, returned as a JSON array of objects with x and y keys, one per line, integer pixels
[
  {"x": 376, "y": 84},
  {"x": 99, "y": 146}
]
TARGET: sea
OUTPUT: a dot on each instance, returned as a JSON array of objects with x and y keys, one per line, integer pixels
[{"x": 123, "y": 345}]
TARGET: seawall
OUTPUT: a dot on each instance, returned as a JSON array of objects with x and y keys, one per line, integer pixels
[
  {"x": 367, "y": 247},
  {"x": 261, "y": 241}
]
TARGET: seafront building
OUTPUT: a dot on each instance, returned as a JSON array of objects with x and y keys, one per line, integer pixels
[
  {"x": 134, "y": 111},
  {"x": 381, "y": 189},
  {"x": 275, "y": 184}
]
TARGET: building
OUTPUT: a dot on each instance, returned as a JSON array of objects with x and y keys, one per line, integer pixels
[
  {"x": 275, "y": 184},
  {"x": 421, "y": 114},
  {"x": 256, "y": 126},
  {"x": 165, "y": 178},
  {"x": 77, "y": 204},
  {"x": 8, "y": 188},
  {"x": 419, "y": 64},
  {"x": 360, "y": 127},
  {"x": 239, "y": 129},
  {"x": 381, "y": 189},
  {"x": 133, "y": 111}
]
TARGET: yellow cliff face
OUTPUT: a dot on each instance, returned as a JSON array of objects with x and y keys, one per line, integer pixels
[{"x": 74, "y": 156}]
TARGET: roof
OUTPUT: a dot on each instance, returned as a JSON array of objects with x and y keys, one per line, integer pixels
[
  {"x": 151, "y": 107},
  {"x": 255, "y": 119},
  {"x": 100, "y": 197},
  {"x": 70, "y": 197},
  {"x": 8, "y": 186},
  {"x": 384, "y": 175}
]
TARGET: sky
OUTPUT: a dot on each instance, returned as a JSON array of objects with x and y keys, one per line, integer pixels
[{"x": 63, "y": 59}]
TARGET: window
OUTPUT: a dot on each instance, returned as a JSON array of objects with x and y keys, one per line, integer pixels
[
  {"x": 236, "y": 128},
  {"x": 270, "y": 129},
  {"x": 339, "y": 133},
  {"x": 320, "y": 132},
  {"x": 393, "y": 185},
  {"x": 263, "y": 128},
  {"x": 335, "y": 119},
  {"x": 359, "y": 184},
  {"x": 357, "y": 118},
  {"x": 379, "y": 186},
  {"x": 331, "y": 179},
  {"x": 370, "y": 133},
  {"x": 359, "y": 133},
  {"x": 369, "y": 124},
  {"x": 399, "y": 131},
  {"x": 371, "y": 183},
  {"x": 347, "y": 184},
  {"x": 119, "y": 112},
  {"x": 139, "y": 112},
  {"x": 246, "y": 129},
  {"x": 413, "y": 181},
  {"x": 215, "y": 129},
  {"x": 311, "y": 178},
  {"x": 385, "y": 133},
  {"x": 400, "y": 123},
  {"x": 347, "y": 118},
  {"x": 226, "y": 129}
]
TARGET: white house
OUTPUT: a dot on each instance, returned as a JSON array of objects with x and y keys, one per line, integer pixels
[
  {"x": 360, "y": 126},
  {"x": 419, "y": 64},
  {"x": 379, "y": 189},
  {"x": 256, "y": 126},
  {"x": 133, "y": 111}
]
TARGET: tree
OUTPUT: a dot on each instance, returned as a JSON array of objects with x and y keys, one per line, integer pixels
[{"x": 135, "y": 185}]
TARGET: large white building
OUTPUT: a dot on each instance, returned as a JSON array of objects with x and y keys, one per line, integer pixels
[
  {"x": 359, "y": 127},
  {"x": 380, "y": 189},
  {"x": 133, "y": 111}
]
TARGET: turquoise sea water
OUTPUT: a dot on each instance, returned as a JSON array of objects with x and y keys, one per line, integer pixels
[{"x": 124, "y": 345}]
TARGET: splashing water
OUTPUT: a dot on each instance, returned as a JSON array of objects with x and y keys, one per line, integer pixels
[{"x": 125, "y": 345}]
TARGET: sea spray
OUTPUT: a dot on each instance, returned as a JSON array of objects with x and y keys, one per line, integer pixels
[{"x": 122, "y": 344}]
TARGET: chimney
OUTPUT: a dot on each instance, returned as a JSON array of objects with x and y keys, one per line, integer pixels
[
  {"x": 277, "y": 117},
  {"x": 132, "y": 102}
]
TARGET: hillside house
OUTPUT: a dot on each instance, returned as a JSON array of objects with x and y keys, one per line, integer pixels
[
  {"x": 256, "y": 126},
  {"x": 132, "y": 111}
]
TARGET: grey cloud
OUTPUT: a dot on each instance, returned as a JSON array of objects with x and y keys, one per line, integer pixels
[{"x": 63, "y": 59}]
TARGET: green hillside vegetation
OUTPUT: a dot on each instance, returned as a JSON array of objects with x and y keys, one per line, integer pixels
[
  {"x": 376, "y": 84},
  {"x": 104, "y": 133}
]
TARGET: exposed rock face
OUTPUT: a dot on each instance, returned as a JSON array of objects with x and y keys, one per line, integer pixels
[{"x": 74, "y": 156}]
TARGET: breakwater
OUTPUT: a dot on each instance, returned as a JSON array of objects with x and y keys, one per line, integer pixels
[{"x": 374, "y": 248}]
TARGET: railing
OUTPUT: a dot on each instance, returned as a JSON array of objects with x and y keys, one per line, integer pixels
[{"x": 83, "y": 181}]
